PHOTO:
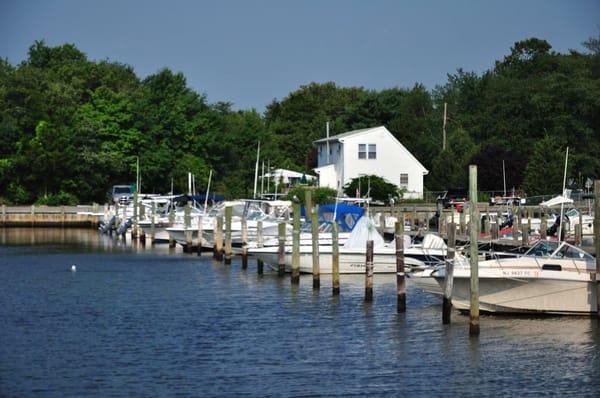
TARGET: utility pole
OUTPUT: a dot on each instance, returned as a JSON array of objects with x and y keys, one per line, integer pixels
[{"x": 444, "y": 127}]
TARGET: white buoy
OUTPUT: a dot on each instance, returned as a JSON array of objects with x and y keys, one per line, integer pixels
[{"x": 73, "y": 268}]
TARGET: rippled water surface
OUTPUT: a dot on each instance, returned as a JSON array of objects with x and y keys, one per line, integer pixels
[{"x": 138, "y": 321}]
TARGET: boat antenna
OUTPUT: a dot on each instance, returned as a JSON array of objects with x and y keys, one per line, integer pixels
[
  {"x": 256, "y": 170},
  {"x": 562, "y": 204},
  {"x": 207, "y": 191},
  {"x": 504, "y": 177},
  {"x": 137, "y": 174},
  {"x": 262, "y": 181},
  {"x": 327, "y": 141}
]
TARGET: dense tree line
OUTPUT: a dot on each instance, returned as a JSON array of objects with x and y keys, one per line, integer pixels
[{"x": 71, "y": 127}]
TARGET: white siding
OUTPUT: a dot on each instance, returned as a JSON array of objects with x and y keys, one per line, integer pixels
[{"x": 392, "y": 159}]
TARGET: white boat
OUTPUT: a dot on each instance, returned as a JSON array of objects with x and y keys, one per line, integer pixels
[
  {"x": 552, "y": 277},
  {"x": 352, "y": 255}
]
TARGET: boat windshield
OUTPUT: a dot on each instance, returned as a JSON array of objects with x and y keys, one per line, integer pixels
[
  {"x": 568, "y": 251},
  {"x": 573, "y": 213},
  {"x": 542, "y": 248}
]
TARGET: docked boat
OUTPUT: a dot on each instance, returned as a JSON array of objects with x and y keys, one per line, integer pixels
[
  {"x": 352, "y": 255},
  {"x": 552, "y": 277}
]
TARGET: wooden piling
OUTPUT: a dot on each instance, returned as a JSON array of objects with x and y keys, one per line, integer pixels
[
  {"x": 449, "y": 278},
  {"x": 474, "y": 234},
  {"x": 369, "y": 272},
  {"x": 316, "y": 267},
  {"x": 296, "y": 245},
  {"x": 413, "y": 220},
  {"x": 543, "y": 225},
  {"x": 516, "y": 227},
  {"x": 281, "y": 249},
  {"x": 200, "y": 231},
  {"x": 335, "y": 260},
  {"x": 488, "y": 223},
  {"x": 152, "y": 224},
  {"x": 381, "y": 223},
  {"x": 495, "y": 231},
  {"x": 244, "y": 243},
  {"x": 218, "y": 234},
  {"x": 134, "y": 230},
  {"x": 171, "y": 223},
  {"x": 463, "y": 222},
  {"x": 307, "y": 204},
  {"x": 228, "y": 245},
  {"x": 524, "y": 235},
  {"x": 400, "y": 273},
  {"x": 259, "y": 243},
  {"x": 187, "y": 222},
  {"x": 578, "y": 234},
  {"x": 443, "y": 224},
  {"x": 440, "y": 213},
  {"x": 596, "y": 277}
]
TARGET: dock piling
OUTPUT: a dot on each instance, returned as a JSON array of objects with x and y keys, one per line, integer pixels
[
  {"x": 316, "y": 269},
  {"x": 281, "y": 249},
  {"x": 474, "y": 234},
  {"x": 296, "y": 245},
  {"x": 259, "y": 243},
  {"x": 335, "y": 260},
  {"x": 218, "y": 234},
  {"x": 597, "y": 242},
  {"x": 200, "y": 233},
  {"x": 369, "y": 272},
  {"x": 244, "y": 243},
  {"x": 400, "y": 273},
  {"x": 152, "y": 224},
  {"x": 187, "y": 222},
  {"x": 449, "y": 278},
  {"x": 228, "y": 245}
]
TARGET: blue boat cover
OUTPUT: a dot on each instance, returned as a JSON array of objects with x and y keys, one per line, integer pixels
[{"x": 346, "y": 216}]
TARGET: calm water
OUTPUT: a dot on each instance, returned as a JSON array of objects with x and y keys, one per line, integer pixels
[{"x": 146, "y": 322}]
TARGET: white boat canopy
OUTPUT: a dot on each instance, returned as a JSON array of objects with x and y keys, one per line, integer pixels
[
  {"x": 557, "y": 201},
  {"x": 289, "y": 174}
]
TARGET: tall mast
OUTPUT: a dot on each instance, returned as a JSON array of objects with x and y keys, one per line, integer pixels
[
  {"x": 562, "y": 205},
  {"x": 256, "y": 170},
  {"x": 444, "y": 127},
  {"x": 207, "y": 191}
]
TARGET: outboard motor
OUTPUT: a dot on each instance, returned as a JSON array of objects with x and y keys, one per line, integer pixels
[
  {"x": 107, "y": 226},
  {"x": 124, "y": 226},
  {"x": 553, "y": 230}
]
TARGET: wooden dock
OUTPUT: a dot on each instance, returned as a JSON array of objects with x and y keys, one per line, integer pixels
[{"x": 50, "y": 216}]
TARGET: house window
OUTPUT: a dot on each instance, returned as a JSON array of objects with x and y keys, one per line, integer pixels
[
  {"x": 372, "y": 151},
  {"x": 362, "y": 151},
  {"x": 404, "y": 180},
  {"x": 367, "y": 151}
]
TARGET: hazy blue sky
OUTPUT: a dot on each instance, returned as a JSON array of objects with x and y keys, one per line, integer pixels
[{"x": 249, "y": 52}]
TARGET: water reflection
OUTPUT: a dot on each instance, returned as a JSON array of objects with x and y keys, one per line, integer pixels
[{"x": 171, "y": 323}]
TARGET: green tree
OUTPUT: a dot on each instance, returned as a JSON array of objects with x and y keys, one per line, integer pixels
[{"x": 372, "y": 186}]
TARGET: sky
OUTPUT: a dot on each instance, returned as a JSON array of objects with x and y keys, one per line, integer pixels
[{"x": 251, "y": 52}]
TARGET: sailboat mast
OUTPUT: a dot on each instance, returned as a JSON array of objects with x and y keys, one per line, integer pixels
[
  {"x": 256, "y": 170},
  {"x": 562, "y": 205},
  {"x": 207, "y": 191}
]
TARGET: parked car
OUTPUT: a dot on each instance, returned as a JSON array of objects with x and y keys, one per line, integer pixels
[
  {"x": 121, "y": 194},
  {"x": 453, "y": 198}
]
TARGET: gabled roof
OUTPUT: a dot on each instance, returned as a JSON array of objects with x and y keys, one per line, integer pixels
[
  {"x": 368, "y": 130},
  {"x": 346, "y": 134}
]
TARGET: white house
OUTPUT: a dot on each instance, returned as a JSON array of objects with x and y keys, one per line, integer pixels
[{"x": 373, "y": 151}]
